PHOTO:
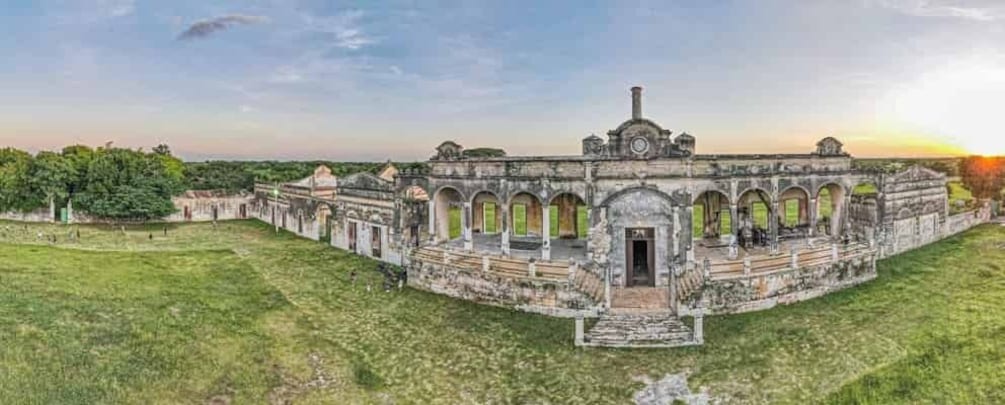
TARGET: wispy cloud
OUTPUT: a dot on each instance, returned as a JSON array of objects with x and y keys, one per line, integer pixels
[
  {"x": 118, "y": 8},
  {"x": 344, "y": 29},
  {"x": 946, "y": 9},
  {"x": 203, "y": 28}
]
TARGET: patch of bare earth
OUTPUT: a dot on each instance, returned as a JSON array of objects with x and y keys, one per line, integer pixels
[{"x": 291, "y": 388}]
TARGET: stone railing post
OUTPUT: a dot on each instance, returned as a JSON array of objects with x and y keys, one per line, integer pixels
[
  {"x": 835, "y": 256},
  {"x": 485, "y": 263},
  {"x": 532, "y": 268},
  {"x": 446, "y": 257},
  {"x": 794, "y": 259},
  {"x": 706, "y": 265},
  {"x": 699, "y": 325},
  {"x": 607, "y": 287},
  {"x": 573, "y": 266},
  {"x": 579, "y": 330},
  {"x": 746, "y": 265}
]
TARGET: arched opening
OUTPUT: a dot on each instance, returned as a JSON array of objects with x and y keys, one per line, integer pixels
[
  {"x": 486, "y": 214},
  {"x": 753, "y": 211},
  {"x": 447, "y": 217},
  {"x": 793, "y": 213},
  {"x": 322, "y": 214},
  {"x": 567, "y": 226},
  {"x": 568, "y": 217},
  {"x": 710, "y": 216},
  {"x": 526, "y": 220},
  {"x": 830, "y": 204}
]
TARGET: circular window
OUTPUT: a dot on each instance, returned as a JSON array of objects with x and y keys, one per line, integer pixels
[{"x": 640, "y": 145}]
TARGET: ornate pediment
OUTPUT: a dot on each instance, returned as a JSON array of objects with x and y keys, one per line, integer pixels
[
  {"x": 917, "y": 173},
  {"x": 830, "y": 147},
  {"x": 449, "y": 150}
]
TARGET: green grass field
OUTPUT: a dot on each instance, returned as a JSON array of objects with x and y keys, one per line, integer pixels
[{"x": 239, "y": 313}]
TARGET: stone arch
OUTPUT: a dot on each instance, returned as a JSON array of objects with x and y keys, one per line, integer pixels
[
  {"x": 651, "y": 213},
  {"x": 448, "y": 203},
  {"x": 618, "y": 194},
  {"x": 830, "y": 208},
  {"x": 486, "y": 212},
  {"x": 568, "y": 213},
  {"x": 754, "y": 208},
  {"x": 525, "y": 214},
  {"x": 711, "y": 216},
  {"x": 793, "y": 206}
]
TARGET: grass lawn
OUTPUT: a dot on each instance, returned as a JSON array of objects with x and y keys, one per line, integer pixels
[{"x": 241, "y": 313}]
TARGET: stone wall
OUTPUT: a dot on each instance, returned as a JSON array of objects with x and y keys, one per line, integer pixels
[
  {"x": 555, "y": 298},
  {"x": 39, "y": 215},
  {"x": 763, "y": 291},
  {"x": 202, "y": 206}
]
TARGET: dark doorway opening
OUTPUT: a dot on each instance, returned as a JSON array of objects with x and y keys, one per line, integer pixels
[
  {"x": 640, "y": 257},
  {"x": 375, "y": 241},
  {"x": 352, "y": 236},
  {"x": 244, "y": 211}
]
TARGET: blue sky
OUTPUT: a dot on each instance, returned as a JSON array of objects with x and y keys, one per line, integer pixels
[{"x": 391, "y": 80}]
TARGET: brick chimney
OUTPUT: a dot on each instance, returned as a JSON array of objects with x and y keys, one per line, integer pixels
[{"x": 636, "y": 102}]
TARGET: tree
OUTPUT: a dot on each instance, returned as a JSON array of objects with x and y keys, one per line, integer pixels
[
  {"x": 483, "y": 153},
  {"x": 128, "y": 184},
  {"x": 15, "y": 175},
  {"x": 51, "y": 177},
  {"x": 983, "y": 176}
]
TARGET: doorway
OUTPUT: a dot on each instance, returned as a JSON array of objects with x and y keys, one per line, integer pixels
[
  {"x": 375, "y": 242},
  {"x": 352, "y": 236},
  {"x": 640, "y": 255}
]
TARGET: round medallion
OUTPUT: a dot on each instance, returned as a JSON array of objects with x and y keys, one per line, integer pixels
[{"x": 640, "y": 145}]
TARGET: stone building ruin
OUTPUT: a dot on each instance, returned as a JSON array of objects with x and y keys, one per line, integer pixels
[{"x": 639, "y": 230}]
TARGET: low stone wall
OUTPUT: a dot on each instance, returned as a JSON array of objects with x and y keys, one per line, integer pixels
[
  {"x": 42, "y": 215},
  {"x": 548, "y": 297},
  {"x": 763, "y": 291}
]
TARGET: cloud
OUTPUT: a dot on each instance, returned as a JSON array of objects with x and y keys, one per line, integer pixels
[
  {"x": 203, "y": 28},
  {"x": 343, "y": 28},
  {"x": 119, "y": 8},
  {"x": 946, "y": 9}
]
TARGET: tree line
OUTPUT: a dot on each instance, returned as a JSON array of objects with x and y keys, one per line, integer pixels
[
  {"x": 984, "y": 176},
  {"x": 133, "y": 184},
  {"x": 106, "y": 182}
]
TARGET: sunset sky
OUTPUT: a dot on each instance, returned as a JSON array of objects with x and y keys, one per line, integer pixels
[{"x": 391, "y": 80}]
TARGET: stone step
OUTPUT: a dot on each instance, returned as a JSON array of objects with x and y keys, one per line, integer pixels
[{"x": 627, "y": 328}]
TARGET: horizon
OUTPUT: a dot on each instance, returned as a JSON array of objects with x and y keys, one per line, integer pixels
[{"x": 308, "y": 80}]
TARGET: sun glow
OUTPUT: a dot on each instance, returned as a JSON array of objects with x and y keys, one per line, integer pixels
[{"x": 962, "y": 104}]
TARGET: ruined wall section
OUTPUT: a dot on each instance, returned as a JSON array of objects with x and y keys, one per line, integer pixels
[{"x": 759, "y": 292}]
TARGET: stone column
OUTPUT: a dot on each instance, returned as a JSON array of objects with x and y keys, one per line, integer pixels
[
  {"x": 773, "y": 207},
  {"x": 52, "y": 210},
  {"x": 545, "y": 232},
  {"x": 690, "y": 238},
  {"x": 504, "y": 232},
  {"x": 813, "y": 216},
  {"x": 432, "y": 220},
  {"x": 734, "y": 222},
  {"x": 466, "y": 226}
]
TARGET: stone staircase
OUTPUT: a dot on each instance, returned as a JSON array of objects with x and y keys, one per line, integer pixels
[
  {"x": 589, "y": 283},
  {"x": 640, "y": 298},
  {"x": 639, "y": 329}
]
